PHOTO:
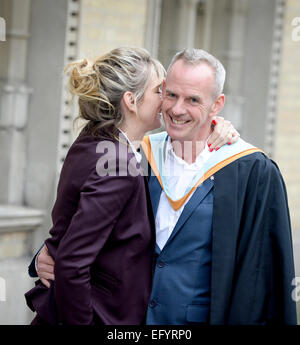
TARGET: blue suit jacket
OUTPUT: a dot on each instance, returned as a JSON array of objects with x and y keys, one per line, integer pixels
[{"x": 181, "y": 285}]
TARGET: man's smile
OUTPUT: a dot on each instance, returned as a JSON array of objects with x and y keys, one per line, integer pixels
[{"x": 178, "y": 122}]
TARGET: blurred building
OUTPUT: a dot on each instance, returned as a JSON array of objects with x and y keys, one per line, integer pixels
[{"x": 254, "y": 39}]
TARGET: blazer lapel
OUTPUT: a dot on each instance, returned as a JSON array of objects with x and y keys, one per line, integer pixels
[
  {"x": 195, "y": 200},
  {"x": 151, "y": 213},
  {"x": 155, "y": 191},
  {"x": 149, "y": 205},
  {"x": 157, "y": 249}
]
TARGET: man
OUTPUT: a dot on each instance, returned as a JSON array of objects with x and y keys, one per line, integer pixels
[{"x": 224, "y": 249}]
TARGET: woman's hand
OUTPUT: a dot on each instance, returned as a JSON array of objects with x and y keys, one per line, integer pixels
[
  {"x": 45, "y": 266},
  {"x": 223, "y": 133}
]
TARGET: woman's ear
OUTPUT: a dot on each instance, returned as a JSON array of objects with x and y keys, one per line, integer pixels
[{"x": 128, "y": 100}]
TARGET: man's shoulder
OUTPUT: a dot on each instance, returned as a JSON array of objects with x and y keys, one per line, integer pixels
[
  {"x": 260, "y": 158},
  {"x": 256, "y": 154},
  {"x": 250, "y": 158},
  {"x": 255, "y": 169},
  {"x": 257, "y": 164}
]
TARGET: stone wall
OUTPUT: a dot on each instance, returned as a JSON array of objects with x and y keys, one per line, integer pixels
[
  {"x": 17, "y": 225},
  {"x": 288, "y": 124},
  {"x": 32, "y": 60},
  {"x": 105, "y": 25}
]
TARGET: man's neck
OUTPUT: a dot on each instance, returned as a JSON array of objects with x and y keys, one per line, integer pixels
[{"x": 190, "y": 150}]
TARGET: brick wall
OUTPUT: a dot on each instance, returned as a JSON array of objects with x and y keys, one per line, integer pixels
[{"x": 105, "y": 25}]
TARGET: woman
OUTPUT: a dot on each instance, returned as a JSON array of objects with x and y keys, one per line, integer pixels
[{"x": 103, "y": 233}]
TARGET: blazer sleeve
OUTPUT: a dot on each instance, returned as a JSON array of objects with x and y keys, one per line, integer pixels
[
  {"x": 32, "y": 267},
  {"x": 282, "y": 307},
  {"x": 101, "y": 202},
  {"x": 265, "y": 265}
]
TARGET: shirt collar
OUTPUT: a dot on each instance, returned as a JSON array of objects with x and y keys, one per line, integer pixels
[
  {"x": 138, "y": 156},
  {"x": 201, "y": 158}
]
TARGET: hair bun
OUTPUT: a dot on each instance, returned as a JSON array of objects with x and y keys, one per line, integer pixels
[
  {"x": 84, "y": 63},
  {"x": 83, "y": 81}
]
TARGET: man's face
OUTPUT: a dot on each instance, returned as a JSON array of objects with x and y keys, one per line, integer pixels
[{"x": 187, "y": 101}]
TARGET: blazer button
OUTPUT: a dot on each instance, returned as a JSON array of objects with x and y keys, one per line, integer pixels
[
  {"x": 152, "y": 303},
  {"x": 160, "y": 264}
]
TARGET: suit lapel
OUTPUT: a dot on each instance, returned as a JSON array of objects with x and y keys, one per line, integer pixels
[
  {"x": 199, "y": 194},
  {"x": 149, "y": 205},
  {"x": 155, "y": 191}
]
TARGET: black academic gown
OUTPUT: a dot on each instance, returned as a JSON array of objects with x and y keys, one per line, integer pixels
[{"x": 252, "y": 256}]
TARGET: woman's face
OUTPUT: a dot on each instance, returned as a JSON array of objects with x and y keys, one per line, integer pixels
[{"x": 149, "y": 109}]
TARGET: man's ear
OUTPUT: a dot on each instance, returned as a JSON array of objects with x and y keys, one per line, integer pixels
[
  {"x": 218, "y": 105},
  {"x": 128, "y": 101}
]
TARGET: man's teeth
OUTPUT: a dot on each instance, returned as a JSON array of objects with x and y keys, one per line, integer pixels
[{"x": 177, "y": 122}]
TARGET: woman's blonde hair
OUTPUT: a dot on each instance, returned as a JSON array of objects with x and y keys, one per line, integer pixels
[{"x": 100, "y": 84}]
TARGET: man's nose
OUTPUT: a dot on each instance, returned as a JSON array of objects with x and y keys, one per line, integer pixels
[{"x": 178, "y": 108}]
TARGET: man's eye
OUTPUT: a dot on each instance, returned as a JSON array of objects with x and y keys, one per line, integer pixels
[
  {"x": 194, "y": 100},
  {"x": 171, "y": 95}
]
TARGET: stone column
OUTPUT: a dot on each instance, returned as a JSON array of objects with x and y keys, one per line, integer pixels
[
  {"x": 233, "y": 58},
  {"x": 14, "y": 96},
  {"x": 257, "y": 71},
  {"x": 46, "y": 136},
  {"x": 17, "y": 221},
  {"x": 153, "y": 26},
  {"x": 208, "y": 27},
  {"x": 186, "y": 24},
  {"x": 177, "y": 28}
]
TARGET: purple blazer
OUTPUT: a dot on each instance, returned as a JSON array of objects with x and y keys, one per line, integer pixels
[{"x": 102, "y": 239}]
